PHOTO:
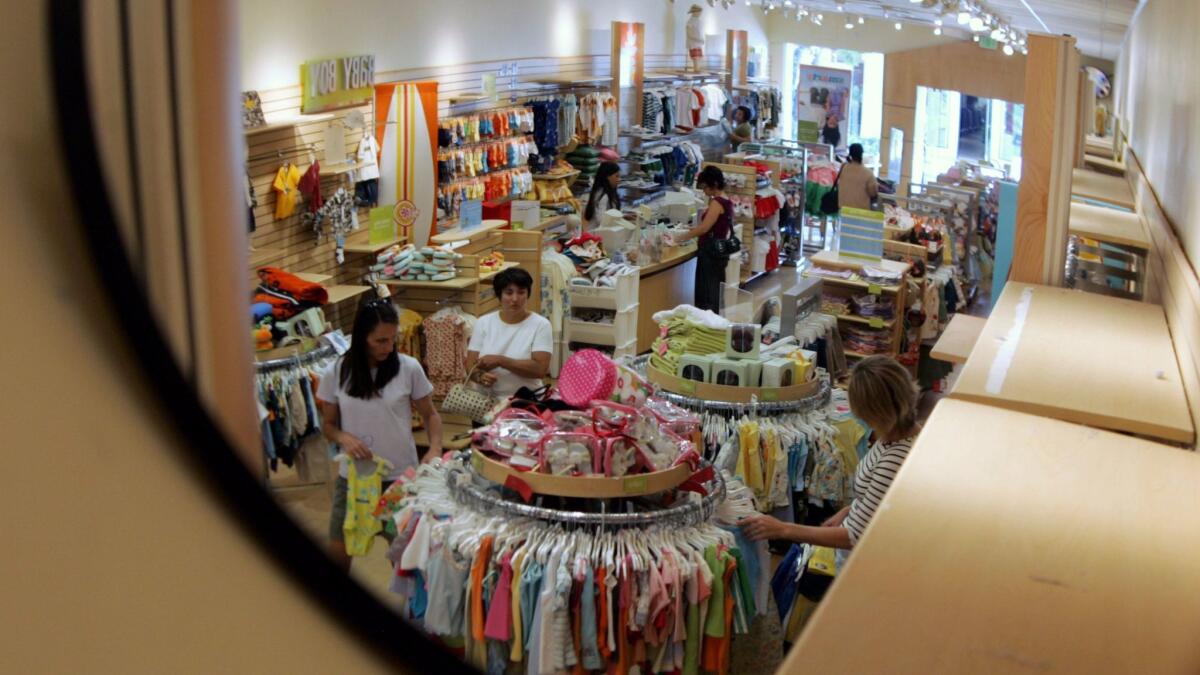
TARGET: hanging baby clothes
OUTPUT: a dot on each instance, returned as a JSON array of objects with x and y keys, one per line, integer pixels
[
  {"x": 447, "y": 333},
  {"x": 310, "y": 187},
  {"x": 366, "y": 190},
  {"x": 362, "y": 495},
  {"x": 286, "y": 183}
]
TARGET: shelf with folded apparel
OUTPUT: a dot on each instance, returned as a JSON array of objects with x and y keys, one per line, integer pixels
[
  {"x": 484, "y": 252},
  {"x": 846, "y": 298}
]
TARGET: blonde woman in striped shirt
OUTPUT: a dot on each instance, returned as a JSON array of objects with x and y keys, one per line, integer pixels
[{"x": 883, "y": 395}]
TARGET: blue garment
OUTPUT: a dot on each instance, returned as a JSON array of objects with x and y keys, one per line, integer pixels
[
  {"x": 268, "y": 439},
  {"x": 797, "y": 461},
  {"x": 314, "y": 417},
  {"x": 784, "y": 583},
  {"x": 497, "y": 657},
  {"x": 531, "y": 587},
  {"x": 420, "y": 598},
  {"x": 747, "y": 559},
  {"x": 590, "y": 649}
]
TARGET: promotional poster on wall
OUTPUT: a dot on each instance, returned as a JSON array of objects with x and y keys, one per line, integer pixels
[{"x": 823, "y": 105}]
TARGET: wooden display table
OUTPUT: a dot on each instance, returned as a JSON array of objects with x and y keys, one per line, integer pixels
[
  {"x": 1010, "y": 543},
  {"x": 1080, "y": 357},
  {"x": 956, "y": 343},
  {"x": 1103, "y": 188}
]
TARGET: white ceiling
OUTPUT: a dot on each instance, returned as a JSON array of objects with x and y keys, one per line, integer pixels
[{"x": 1098, "y": 25}]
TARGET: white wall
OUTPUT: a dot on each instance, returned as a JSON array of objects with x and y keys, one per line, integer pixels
[
  {"x": 876, "y": 35},
  {"x": 278, "y": 35}
]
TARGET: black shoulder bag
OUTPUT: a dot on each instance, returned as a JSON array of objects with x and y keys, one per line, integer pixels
[
  {"x": 829, "y": 202},
  {"x": 722, "y": 248}
]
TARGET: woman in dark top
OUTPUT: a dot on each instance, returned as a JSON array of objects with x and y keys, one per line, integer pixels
[
  {"x": 717, "y": 223},
  {"x": 830, "y": 134}
]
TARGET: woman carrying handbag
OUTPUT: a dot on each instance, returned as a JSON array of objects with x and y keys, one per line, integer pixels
[{"x": 716, "y": 240}]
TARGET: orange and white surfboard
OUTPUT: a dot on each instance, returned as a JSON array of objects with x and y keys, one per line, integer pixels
[{"x": 406, "y": 129}]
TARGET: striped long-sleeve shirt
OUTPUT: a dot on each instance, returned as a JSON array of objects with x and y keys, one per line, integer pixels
[{"x": 871, "y": 481}]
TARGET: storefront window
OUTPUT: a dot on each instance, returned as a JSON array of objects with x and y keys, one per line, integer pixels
[
  {"x": 864, "y": 112},
  {"x": 950, "y": 127}
]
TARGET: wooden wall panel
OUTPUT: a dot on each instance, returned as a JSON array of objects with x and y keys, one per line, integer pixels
[
  {"x": 1171, "y": 281},
  {"x": 959, "y": 66}
]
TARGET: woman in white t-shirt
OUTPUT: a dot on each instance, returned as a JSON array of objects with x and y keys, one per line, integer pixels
[
  {"x": 603, "y": 195},
  {"x": 511, "y": 348},
  {"x": 367, "y": 399}
]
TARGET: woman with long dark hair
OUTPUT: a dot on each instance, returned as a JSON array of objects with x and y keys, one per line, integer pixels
[
  {"x": 367, "y": 399},
  {"x": 603, "y": 195}
]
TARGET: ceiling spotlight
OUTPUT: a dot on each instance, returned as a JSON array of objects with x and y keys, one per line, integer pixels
[
  {"x": 849, "y": 26},
  {"x": 788, "y": 3},
  {"x": 976, "y": 24},
  {"x": 1021, "y": 42},
  {"x": 1008, "y": 50},
  {"x": 747, "y": 3},
  {"x": 861, "y": 21},
  {"x": 997, "y": 34},
  {"x": 937, "y": 22},
  {"x": 975, "y": 38},
  {"x": 963, "y": 17},
  {"x": 841, "y": 7},
  {"x": 899, "y": 25},
  {"x": 937, "y": 31}
]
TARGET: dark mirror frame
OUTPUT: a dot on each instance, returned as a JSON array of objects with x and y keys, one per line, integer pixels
[{"x": 247, "y": 502}]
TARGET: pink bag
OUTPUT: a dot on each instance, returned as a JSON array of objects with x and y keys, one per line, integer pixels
[{"x": 587, "y": 376}]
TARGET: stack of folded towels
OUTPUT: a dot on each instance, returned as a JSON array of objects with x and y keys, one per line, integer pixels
[
  {"x": 394, "y": 262},
  {"x": 686, "y": 330}
]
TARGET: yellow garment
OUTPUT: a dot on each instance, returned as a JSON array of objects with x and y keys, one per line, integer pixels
[
  {"x": 362, "y": 495},
  {"x": 749, "y": 466},
  {"x": 410, "y": 333},
  {"x": 849, "y": 433},
  {"x": 286, "y": 192},
  {"x": 770, "y": 456},
  {"x": 518, "y": 631}
]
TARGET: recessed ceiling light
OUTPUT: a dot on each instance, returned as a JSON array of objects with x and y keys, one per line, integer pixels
[
  {"x": 1008, "y": 50},
  {"x": 937, "y": 22},
  {"x": 963, "y": 17},
  {"x": 861, "y": 21},
  {"x": 899, "y": 25},
  {"x": 937, "y": 31},
  {"x": 849, "y": 25}
]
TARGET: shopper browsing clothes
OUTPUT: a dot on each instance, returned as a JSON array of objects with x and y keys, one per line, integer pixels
[
  {"x": 882, "y": 395},
  {"x": 830, "y": 133},
  {"x": 512, "y": 346},
  {"x": 603, "y": 195},
  {"x": 367, "y": 399},
  {"x": 715, "y": 225},
  {"x": 743, "y": 132},
  {"x": 857, "y": 187}
]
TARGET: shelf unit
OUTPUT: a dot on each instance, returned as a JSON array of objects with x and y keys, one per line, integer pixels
[
  {"x": 287, "y": 123},
  {"x": 850, "y": 288}
]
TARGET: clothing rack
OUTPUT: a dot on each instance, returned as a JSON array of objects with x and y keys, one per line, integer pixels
[
  {"x": 753, "y": 408},
  {"x": 459, "y": 482},
  {"x": 296, "y": 360}
]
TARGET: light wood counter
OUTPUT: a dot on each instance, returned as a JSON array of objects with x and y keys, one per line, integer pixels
[
  {"x": 1101, "y": 187},
  {"x": 1104, "y": 165},
  {"x": 1080, "y": 357},
  {"x": 664, "y": 285},
  {"x": 1010, "y": 543},
  {"x": 1108, "y": 225},
  {"x": 959, "y": 338}
]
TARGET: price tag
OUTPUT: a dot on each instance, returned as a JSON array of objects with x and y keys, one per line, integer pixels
[
  {"x": 876, "y": 322},
  {"x": 634, "y": 485},
  {"x": 770, "y": 395},
  {"x": 874, "y": 289},
  {"x": 688, "y": 386},
  {"x": 477, "y": 462}
]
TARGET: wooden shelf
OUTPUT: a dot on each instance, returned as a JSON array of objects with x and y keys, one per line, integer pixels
[
  {"x": 314, "y": 278},
  {"x": 339, "y": 169},
  {"x": 1102, "y": 187},
  {"x": 289, "y": 122},
  {"x": 459, "y": 283},
  {"x": 458, "y": 234},
  {"x": 359, "y": 242},
  {"x": 956, "y": 343},
  {"x": 569, "y": 175},
  {"x": 1108, "y": 225},
  {"x": 855, "y": 283},
  {"x": 342, "y": 293},
  {"x": 487, "y": 276},
  {"x": 1079, "y": 357},
  {"x": 888, "y": 323},
  {"x": 1006, "y": 592}
]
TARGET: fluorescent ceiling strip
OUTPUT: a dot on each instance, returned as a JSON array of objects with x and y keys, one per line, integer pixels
[{"x": 1035, "y": 15}]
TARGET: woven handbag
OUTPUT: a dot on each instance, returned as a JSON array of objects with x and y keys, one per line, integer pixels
[{"x": 471, "y": 403}]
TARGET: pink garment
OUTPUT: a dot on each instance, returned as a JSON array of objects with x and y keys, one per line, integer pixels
[
  {"x": 499, "y": 618},
  {"x": 824, "y": 174},
  {"x": 445, "y": 351}
]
